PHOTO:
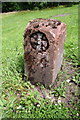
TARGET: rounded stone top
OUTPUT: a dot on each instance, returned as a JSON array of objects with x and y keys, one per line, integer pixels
[{"x": 44, "y": 22}]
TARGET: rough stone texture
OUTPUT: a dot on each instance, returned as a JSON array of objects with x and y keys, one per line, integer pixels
[{"x": 43, "y": 49}]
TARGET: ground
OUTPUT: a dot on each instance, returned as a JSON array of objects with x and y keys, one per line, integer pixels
[{"x": 69, "y": 92}]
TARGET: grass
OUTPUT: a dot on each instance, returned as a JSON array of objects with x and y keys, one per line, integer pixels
[{"x": 18, "y": 100}]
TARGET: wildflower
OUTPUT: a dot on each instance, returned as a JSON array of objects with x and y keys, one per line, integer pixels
[
  {"x": 68, "y": 80},
  {"x": 38, "y": 105},
  {"x": 77, "y": 114},
  {"x": 56, "y": 104},
  {"x": 59, "y": 101},
  {"x": 19, "y": 107}
]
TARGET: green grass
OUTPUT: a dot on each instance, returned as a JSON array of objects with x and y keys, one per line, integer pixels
[{"x": 17, "y": 98}]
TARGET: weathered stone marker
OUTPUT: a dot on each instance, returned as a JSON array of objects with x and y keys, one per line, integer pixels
[{"x": 43, "y": 49}]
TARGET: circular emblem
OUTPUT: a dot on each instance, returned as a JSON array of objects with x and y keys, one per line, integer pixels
[{"x": 39, "y": 41}]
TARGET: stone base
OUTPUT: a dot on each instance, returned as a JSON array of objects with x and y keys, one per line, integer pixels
[{"x": 43, "y": 50}]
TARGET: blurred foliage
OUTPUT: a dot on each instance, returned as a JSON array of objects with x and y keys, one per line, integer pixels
[{"x": 15, "y": 6}]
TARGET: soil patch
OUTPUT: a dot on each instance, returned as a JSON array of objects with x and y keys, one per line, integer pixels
[
  {"x": 64, "y": 90},
  {"x": 61, "y": 15}
]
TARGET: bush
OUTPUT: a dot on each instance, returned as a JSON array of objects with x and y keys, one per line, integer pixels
[{"x": 14, "y": 6}]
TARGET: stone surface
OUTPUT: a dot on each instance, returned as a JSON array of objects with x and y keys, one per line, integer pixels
[{"x": 43, "y": 49}]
